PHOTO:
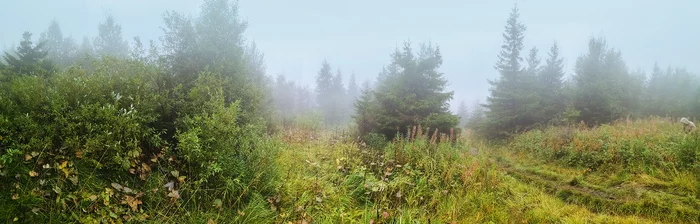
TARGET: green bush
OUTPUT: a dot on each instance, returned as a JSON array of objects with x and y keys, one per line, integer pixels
[
  {"x": 103, "y": 143},
  {"x": 218, "y": 151}
]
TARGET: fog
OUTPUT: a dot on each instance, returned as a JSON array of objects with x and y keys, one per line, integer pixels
[
  {"x": 358, "y": 36},
  {"x": 322, "y": 111}
]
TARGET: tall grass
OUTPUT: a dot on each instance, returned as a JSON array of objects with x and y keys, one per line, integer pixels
[
  {"x": 644, "y": 145},
  {"x": 646, "y": 167},
  {"x": 408, "y": 180}
]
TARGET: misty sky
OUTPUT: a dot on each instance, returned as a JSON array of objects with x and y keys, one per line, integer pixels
[{"x": 359, "y": 35}]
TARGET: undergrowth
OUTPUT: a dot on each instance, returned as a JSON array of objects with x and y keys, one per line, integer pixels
[
  {"x": 330, "y": 179},
  {"x": 645, "y": 167},
  {"x": 121, "y": 142}
]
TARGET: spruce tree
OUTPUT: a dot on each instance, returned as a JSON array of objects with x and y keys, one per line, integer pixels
[
  {"x": 477, "y": 117},
  {"x": 670, "y": 93},
  {"x": 29, "y": 58},
  {"x": 339, "y": 111},
  {"x": 86, "y": 49},
  {"x": 593, "y": 99},
  {"x": 410, "y": 91},
  {"x": 353, "y": 90},
  {"x": 61, "y": 50},
  {"x": 366, "y": 85},
  {"x": 533, "y": 64},
  {"x": 604, "y": 89},
  {"x": 512, "y": 99},
  {"x": 284, "y": 97},
  {"x": 463, "y": 114},
  {"x": 551, "y": 84},
  {"x": 366, "y": 110},
  {"x": 109, "y": 41},
  {"x": 654, "y": 91},
  {"x": 324, "y": 91}
]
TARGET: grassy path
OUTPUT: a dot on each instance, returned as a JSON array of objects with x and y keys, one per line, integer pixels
[
  {"x": 317, "y": 174},
  {"x": 604, "y": 193}
]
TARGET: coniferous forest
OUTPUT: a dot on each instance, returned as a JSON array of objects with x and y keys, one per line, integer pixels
[{"x": 192, "y": 128}]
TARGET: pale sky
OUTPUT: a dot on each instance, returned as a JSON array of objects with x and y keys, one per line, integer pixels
[{"x": 358, "y": 35}]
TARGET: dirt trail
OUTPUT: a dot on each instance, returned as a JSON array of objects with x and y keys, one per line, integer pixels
[{"x": 607, "y": 201}]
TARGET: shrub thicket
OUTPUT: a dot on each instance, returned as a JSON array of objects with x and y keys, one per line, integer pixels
[{"x": 94, "y": 143}]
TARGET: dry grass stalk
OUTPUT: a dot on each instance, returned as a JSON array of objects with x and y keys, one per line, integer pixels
[
  {"x": 413, "y": 136},
  {"x": 434, "y": 138}
]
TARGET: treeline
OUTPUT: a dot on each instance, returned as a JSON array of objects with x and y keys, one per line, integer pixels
[
  {"x": 530, "y": 94},
  {"x": 332, "y": 101}
]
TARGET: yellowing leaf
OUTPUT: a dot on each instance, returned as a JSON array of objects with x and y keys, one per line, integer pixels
[
  {"x": 27, "y": 157},
  {"x": 132, "y": 202},
  {"x": 33, "y": 173},
  {"x": 79, "y": 154},
  {"x": 63, "y": 165},
  {"x": 145, "y": 167},
  {"x": 211, "y": 222},
  {"x": 175, "y": 173},
  {"x": 181, "y": 179},
  {"x": 117, "y": 186},
  {"x": 66, "y": 172},
  {"x": 15, "y": 196},
  {"x": 35, "y": 154},
  {"x": 174, "y": 195},
  {"x": 62, "y": 168}
]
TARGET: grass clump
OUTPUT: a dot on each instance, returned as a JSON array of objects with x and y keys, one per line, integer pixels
[{"x": 647, "y": 146}]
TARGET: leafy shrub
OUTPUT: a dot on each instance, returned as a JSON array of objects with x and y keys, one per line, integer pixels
[
  {"x": 104, "y": 143},
  {"x": 218, "y": 150}
]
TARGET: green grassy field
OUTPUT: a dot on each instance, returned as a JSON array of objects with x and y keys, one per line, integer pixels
[
  {"x": 329, "y": 180},
  {"x": 642, "y": 171}
]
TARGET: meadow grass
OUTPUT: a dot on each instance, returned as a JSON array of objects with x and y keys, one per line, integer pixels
[{"x": 330, "y": 177}]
